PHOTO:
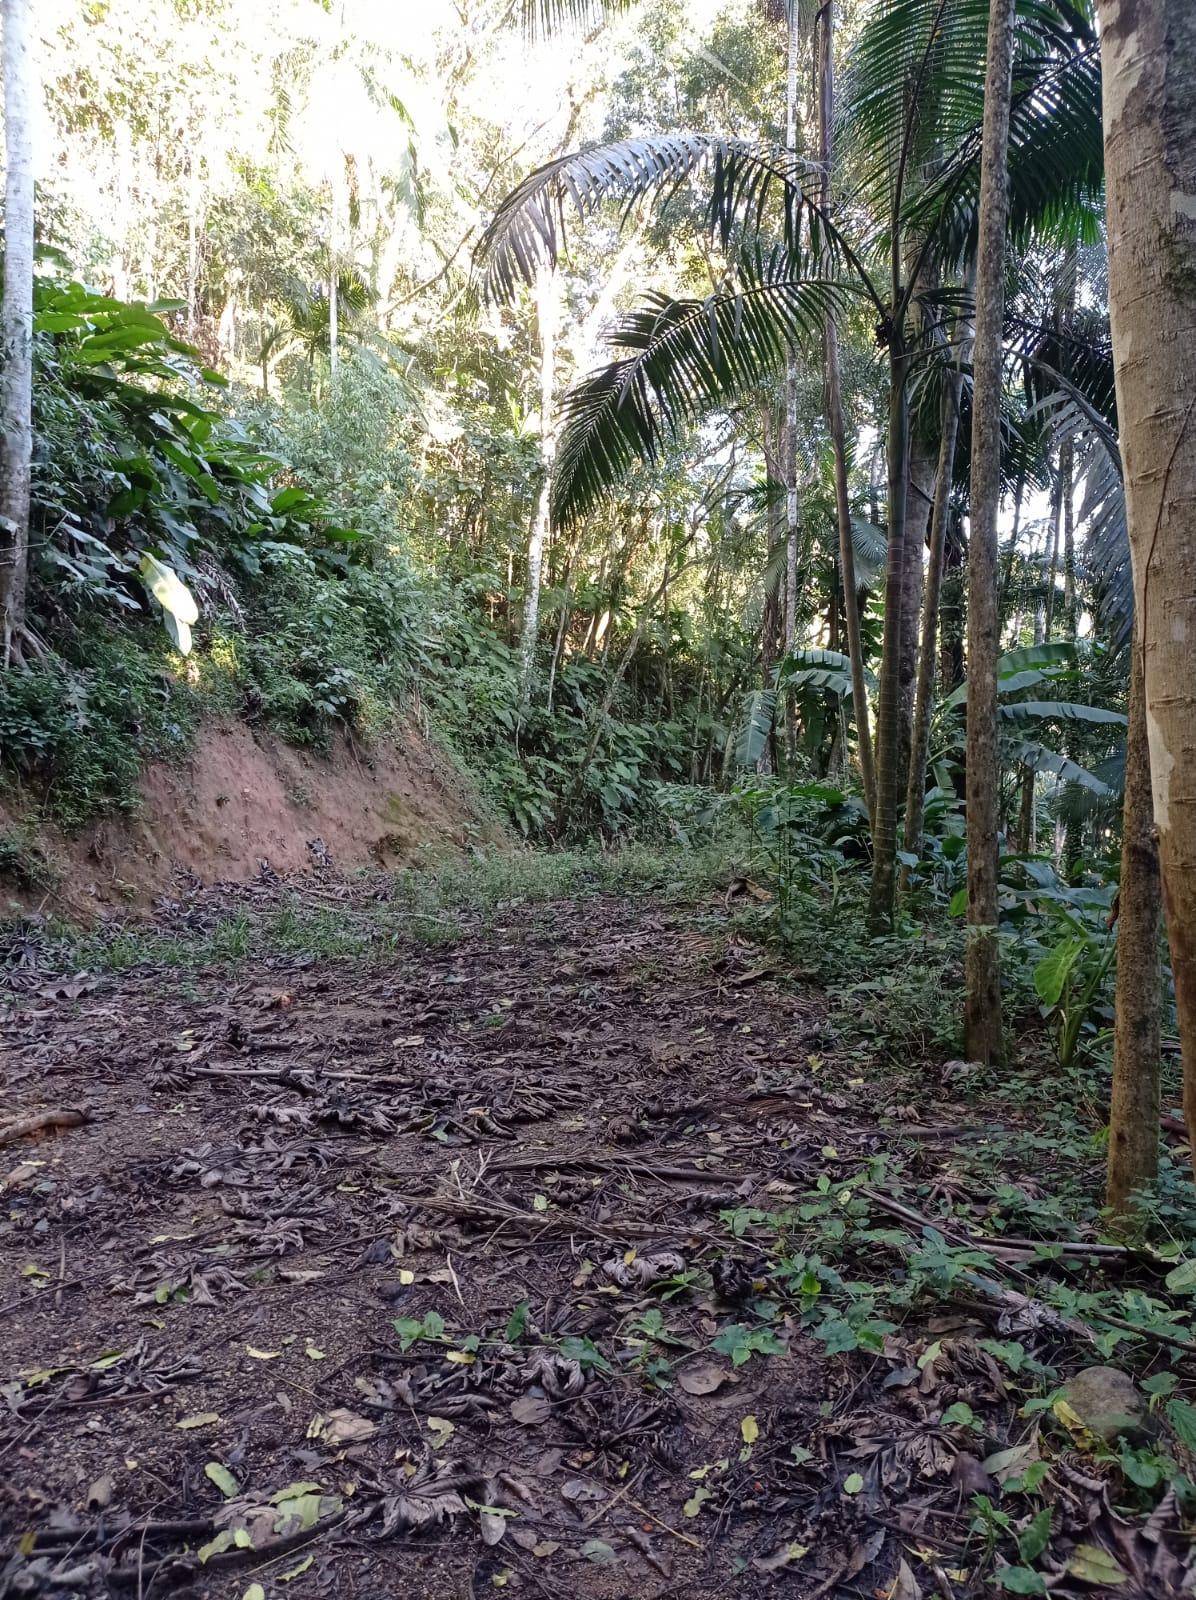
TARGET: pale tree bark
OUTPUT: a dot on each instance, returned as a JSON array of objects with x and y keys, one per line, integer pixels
[
  {"x": 1134, "y": 1111},
  {"x": 915, "y": 795},
  {"x": 982, "y": 980},
  {"x": 16, "y": 374},
  {"x": 838, "y": 433},
  {"x": 334, "y": 237},
  {"x": 789, "y": 437},
  {"x": 924, "y": 453},
  {"x": 548, "y": 321},
  {"x": 883, "y": 888},
  {"x": 1148, "y": 58}
]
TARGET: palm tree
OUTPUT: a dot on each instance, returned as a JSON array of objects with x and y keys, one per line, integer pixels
[{"x": 791, "y": 261}]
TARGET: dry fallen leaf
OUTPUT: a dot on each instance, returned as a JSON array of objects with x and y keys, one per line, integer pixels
[
  {"x": 342, "y": 1427},
  {"x": 530, "y": 1411},
  {"x": 703, "y": 1377}
]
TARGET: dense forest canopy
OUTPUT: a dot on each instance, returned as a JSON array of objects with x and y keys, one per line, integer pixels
[{"x": 712, "y": 423}]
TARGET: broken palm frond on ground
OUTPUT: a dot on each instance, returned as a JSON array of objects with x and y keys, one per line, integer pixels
[{"x": 580, "y": 1253}]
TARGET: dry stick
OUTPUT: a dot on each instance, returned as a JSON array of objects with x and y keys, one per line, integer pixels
[
  {"x": 1068, "y": 1246},
  {"x": 987, "y": 1286},
  {"x": 40, "y": 1121}
]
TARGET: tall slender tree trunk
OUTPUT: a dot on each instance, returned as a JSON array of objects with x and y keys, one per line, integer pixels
[
  {"x": 835, "y": 426},
  {"x": 951, "y": 607},
  {"x": 915, "y": 797},
  {"x": 1134, "y": 1112},
  {"x": 16, "y": 372},
  {"x": 548, "y": 318},
  {"x": 1148, "y": 57},
  {"x": 982, "y": 1000},
  {"x": 334, "y": 238},
  {"x": 1053, "y": 563},
  {"x": 888, "y": 709},
  {"x": 789, "y": 433}
]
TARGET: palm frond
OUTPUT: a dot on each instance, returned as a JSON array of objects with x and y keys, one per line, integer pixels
[
  {"x": 529, "y": 229},
  {"x": 913, "y": 101},
  {"x": 685, "y": 358},
  {"x": 541, "y": 17},
  {"x": 871, "y": 545}
]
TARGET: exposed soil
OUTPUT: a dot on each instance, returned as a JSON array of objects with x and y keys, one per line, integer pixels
[
  {"x": 528, "y": 1143},
  {"x": 244, "y": 797}
]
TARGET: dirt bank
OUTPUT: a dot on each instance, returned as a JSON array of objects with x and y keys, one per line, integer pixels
[{"x": 245, "y": 798}]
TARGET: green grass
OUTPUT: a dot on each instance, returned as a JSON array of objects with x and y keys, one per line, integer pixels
[{"x": 435, "y": 907}]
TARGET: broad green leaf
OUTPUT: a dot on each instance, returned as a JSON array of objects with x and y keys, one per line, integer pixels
[
  {"x": 1181, "y": 1414},
  {"x": 1052, "y": 972},
  {"x": 1033, "y": 1539},
  {"x": 1021, "y": 1580},
  {"x": 1182, "y": 1279},
  {"x": 1091, "y": 1564},
  {"x": 219, "y": 1474}
]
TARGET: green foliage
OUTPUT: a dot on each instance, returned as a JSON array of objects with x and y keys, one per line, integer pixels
[{"x": 76, "y": 729}]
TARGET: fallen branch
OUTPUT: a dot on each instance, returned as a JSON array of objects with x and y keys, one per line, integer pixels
[{"x": 42, "y": 1122}]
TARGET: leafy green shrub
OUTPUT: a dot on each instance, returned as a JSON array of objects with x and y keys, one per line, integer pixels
[{"x": 78, "y": 730}]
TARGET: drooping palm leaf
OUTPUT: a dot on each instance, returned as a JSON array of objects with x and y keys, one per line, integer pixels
[
  {"x": 1038, "y": 758},
  {"x": 686, "y": 357},
  {"x": 929, "y": 55},
  {"x": 871, "y": 546},
  {"x": 550, "y": 16},
  {"x": 529, "y": 228}
]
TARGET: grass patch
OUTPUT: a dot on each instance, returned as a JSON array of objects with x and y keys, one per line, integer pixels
[{"x": 435, "y": 906}]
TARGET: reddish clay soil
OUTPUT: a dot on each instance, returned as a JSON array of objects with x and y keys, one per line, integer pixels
[{"x": 244, "y": 797}]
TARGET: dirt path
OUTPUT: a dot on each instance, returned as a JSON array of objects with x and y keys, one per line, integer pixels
[{"x": 443, "y": 1275}]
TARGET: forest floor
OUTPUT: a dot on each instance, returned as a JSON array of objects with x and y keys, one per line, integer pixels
[{"x": 576, "y": 1247}]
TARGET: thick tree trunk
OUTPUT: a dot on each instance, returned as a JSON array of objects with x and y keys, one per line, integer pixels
[
  {"x": 837, "y": 430},
  {"x": 547, "y": 317},
  {"x": 16, "y": 372},
  {"x": 1148, "y": 56},
  {"x": 982, "y": 1000},
  {"x": 1134, "y": 1112},
  {"x": 915, "y": 796},
  {"x": 888, "y": 709}
]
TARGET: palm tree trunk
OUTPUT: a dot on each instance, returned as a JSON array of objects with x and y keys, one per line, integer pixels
[
  {"x": 1148, "y": 56},
  {"x": 547, "y": 308},
  {"x": 16, "y": 373},
  {"x": 1134, "y": 1112},
  {"x": 835, "y": 426},
  {"x": 982, "y": 1003},
  {"x": 915, "y": 797},
  {"x": 888, "y": 708}
]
